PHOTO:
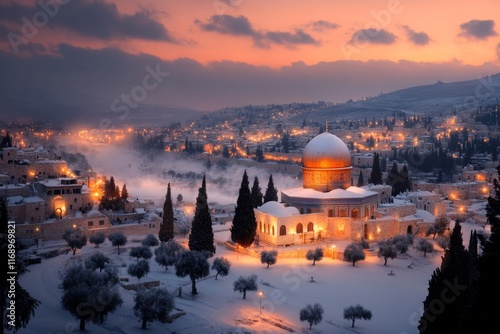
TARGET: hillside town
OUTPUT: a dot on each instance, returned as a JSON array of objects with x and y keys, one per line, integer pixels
[{"x": 448, "y": 164}]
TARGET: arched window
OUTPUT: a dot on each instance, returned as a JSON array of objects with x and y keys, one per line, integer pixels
[
  {"x": 282, "y": 230},
  {"x": 299, "y": 228},
  {"x": 267, "y": 229},
  {"x": 367, "y": 212},
  {"x": 330, "y": 213},
  {"x": 372, "y": 210},
  {"x": 272, "y": 229},
  {"x": 308, "y": 210},
  {"x": 310, "y": 227},
  {"x": 342, "y": 213},
  {"x": 301, "y": 211},
  {"x": 354, "y": 213},
  {"x": 260, "y": 227}
]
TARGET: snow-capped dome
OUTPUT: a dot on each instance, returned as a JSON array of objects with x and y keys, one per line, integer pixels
[
  {"x": 277, "y": 209},
  {"x": 326, "y": 151}
]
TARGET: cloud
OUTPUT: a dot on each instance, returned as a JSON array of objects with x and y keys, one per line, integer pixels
[
  {"x": 417, "y": 38},
  {"x": 227, "y": 24},
  {"x": 478, "y": 29},
  {"x": 102, "y": 75},
  {"x": 241, "y": 26},
  {"x": 373, "y": 36},
  {"x": 322, "y": 25},
  {"x": 286, "y": 38},
  {"x": 94, "y": 18}
]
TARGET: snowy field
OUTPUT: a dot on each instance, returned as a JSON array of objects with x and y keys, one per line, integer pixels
[{"x": 395, "y": 301}]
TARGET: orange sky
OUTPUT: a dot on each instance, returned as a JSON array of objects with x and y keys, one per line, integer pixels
[
  {"x": 439, "y": 19},
  {"x": 237, "y": 52}
]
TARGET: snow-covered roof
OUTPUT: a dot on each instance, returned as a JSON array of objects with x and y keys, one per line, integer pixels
[
  {"x": 94, "y": 213},
  {"x": 12, "y": 200},
  {"x": 151, "y": 217},
  {"x": 33, "y": 199},
  {"x": 278, "y": 209},
  {"x": 351, "y": 192},
  {"x": 426, "y": 216}
]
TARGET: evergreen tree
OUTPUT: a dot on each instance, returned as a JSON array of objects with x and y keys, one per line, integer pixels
[
  {"x": 153, "y": 304},
  {"x": 360, "y": 179},
  {"x": 202, "y": 236},
  {"x": 244, "y": 227},
  {"x": 256, "y": 193},
  {"x": 489, "y": 263},
  {"x": 395, "y": 180},
  {"x": 376, "y": 174},
  {"x": 124, "y": 194},
  {"x": 25, "y": 305},
  {"x": 89, "y": 295},
  {"x": 259, "y": 154},
  {"x": 271, "y": 191},
  {"x": 454, "y": 270},
  {"x": 166, "y": 231},
  {"x": 406, "y": 179},
  {"x": 192, "y": 264}
]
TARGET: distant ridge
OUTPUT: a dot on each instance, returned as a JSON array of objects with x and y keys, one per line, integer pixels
[
  {"x": 435, "y": 99},
  {"x": 74, "y": 108}
]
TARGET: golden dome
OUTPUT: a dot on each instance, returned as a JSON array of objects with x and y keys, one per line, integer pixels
[{"x": 326, "y": 151}]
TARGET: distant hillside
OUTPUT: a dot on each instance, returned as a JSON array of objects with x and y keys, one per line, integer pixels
[
  {"x": 436, "y": 99},
  {"x": 70, "y": 108}
]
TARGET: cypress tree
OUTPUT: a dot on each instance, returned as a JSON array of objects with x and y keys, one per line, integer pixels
[
  {"x": 244, "y": 225},
  {"x": 124, "y": 194},
  {"x": 361, "y": 181},
  {"x": 202, "y": 236},
  {"x": 406, "y": 179},
  {"x": 271, "y": 191},
  {"x": 489, "y": 264},
  {"x": 395, "y": 180},
  {"x": 256, "y": 193},
  {"x": 166, "y": 232},
  {"x": 376, "y": 175},
  {"x": 453, "y": 272}
]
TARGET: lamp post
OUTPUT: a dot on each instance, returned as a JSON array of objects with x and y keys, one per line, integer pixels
[{"x": 260, "y": 303}]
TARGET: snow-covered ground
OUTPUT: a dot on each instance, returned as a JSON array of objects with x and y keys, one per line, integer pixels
[{"x": 395, "y": 301}]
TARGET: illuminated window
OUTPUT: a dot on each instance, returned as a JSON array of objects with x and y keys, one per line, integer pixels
[
  {"x": 272, "y": 229},
  {"x": 354, "y": 213},
  {"x": 342, "y": 213},
  {"x": 310, "y": 227},
  {"x": 330, "y": 213},
  {"x": 282, "y": 230}
]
